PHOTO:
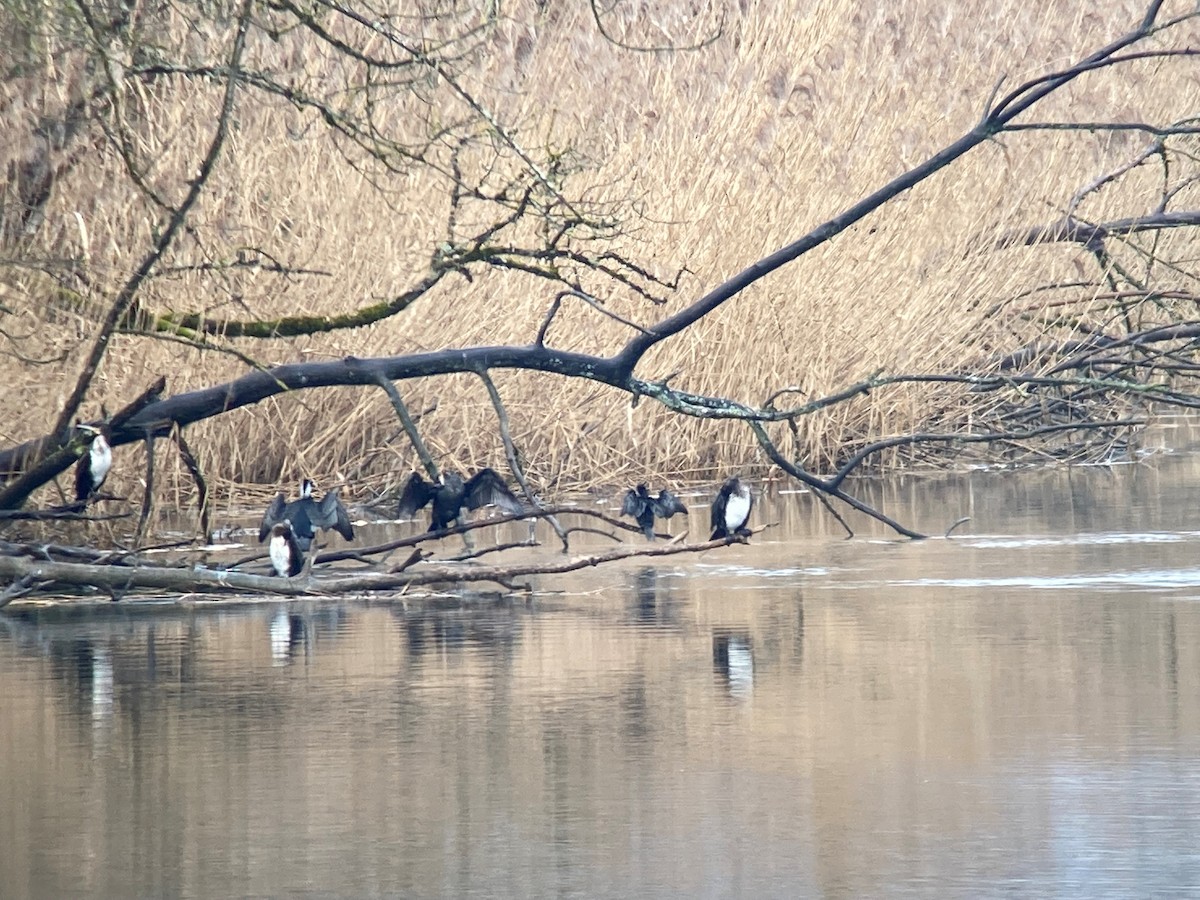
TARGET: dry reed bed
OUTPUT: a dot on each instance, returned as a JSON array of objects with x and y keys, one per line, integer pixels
[{"x": 732, "y": 151}]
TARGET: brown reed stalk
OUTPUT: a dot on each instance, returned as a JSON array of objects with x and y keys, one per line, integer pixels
[{"x": 732, "y": 149}]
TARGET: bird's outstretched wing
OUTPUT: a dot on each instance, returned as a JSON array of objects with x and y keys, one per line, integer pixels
[
  {"x": 271, "y": 517},
  {"x": 417, "y": 492},
  {"x": 666, "y": 505},
  {"x": 330, "y": 513},
  {"x": 633, "y": 504},
  {"x": 486, "y": 488}
]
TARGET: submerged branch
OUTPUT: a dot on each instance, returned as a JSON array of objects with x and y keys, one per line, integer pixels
[
  {"x": 330, "y": 556},
  {"x": 797, "y": 472},
  {"x": 992, "y": 437}
]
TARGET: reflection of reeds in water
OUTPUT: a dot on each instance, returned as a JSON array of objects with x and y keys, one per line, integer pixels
[
  {"x": 733, "y": 150},
  {"x": 582, "y": 720}
]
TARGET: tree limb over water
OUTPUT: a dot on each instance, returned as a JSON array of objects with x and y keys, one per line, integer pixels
[{"x": 1080, "y": 397}]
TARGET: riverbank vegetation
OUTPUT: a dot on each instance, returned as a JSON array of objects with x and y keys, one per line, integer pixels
[{"x": 209, "y": 191}]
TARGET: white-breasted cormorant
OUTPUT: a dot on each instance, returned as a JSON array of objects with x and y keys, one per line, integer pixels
[
  {"x": 284, "y": 550},
  {"x": 93, "y": 466},
  {"x": 731, "y": 510}
]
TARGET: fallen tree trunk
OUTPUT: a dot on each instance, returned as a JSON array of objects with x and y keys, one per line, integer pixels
[{"x": 214, "y": 581}]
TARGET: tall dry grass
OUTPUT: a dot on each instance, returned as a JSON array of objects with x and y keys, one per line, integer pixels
[{"x": 731, "y": 150}]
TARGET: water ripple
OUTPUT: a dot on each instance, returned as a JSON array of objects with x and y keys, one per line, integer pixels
[
  {"x": 1146, "y": 578},
  {"x": 1081, "y": 540}
]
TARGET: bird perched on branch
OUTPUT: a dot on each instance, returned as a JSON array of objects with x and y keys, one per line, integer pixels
[
  {"x": 306, "y": 515},
  {"x": 93, "y": 466},
  {"x": 284, "y": 550},
  {"x": 449, "y": 495},
  {"x": 731, "y": 510},
  {"x": 643, "y": 506}
]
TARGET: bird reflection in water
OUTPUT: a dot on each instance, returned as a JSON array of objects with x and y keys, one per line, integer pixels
[
  {"x": 733, "y": 662},
  {"x": 653, "y": 603},
  {"x": 492, "y": 630},
  {"x": 86, "y": 667},
  {"x": 288, "y": 637},
  {"x": 102, "y": 683},
  {"x": 293, "y": 633}
]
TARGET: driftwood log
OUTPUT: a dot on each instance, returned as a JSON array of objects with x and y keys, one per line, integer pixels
[{"x": 197, "y": 580}]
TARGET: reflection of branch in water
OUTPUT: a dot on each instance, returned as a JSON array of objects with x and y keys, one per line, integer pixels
[
  {"x": 653, "y": 601},
  {"x": 427, "y": 628}
]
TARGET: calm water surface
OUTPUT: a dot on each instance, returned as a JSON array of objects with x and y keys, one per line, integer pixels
[{"x": 1011, "y": 712}]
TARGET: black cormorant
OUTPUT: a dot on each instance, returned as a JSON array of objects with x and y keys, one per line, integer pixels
[
  {"x": 643, "y": 506},
  {"x": 306, "y": 515},
  {"x": 449, "y": 495}
]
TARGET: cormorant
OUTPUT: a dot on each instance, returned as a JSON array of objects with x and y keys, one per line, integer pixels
[
  {"x": 284, "y": 550},
  {"x": 640, "y": 504},
  {"x": 449, "y": 495},
  {"x": 731, "y": 510},
  {"x": 93, "y": 466},
  {"x": 306, "y": 515}
]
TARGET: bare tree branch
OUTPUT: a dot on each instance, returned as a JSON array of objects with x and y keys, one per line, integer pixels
[
  {"x": 514, "y": 460},
  {"x": 128, "y": 293},
  {"x": 410, "y": 426}
]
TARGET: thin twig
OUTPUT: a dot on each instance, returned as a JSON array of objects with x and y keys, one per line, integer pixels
[
  {"x": 496, "y": 548},
  {"x": 147, "y": 493},
  {"x": 514, "y": 460},
  {"x": 129, "y": 291},
  {"x": 410, "y": 426},
  {"x": 192, "y": 464}
]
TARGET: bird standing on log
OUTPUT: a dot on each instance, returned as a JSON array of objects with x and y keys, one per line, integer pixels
[
  {"x": 286, "y": 556},
  {"x": 731, "y": 510},
  {"x": 93, "y": 466}
]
